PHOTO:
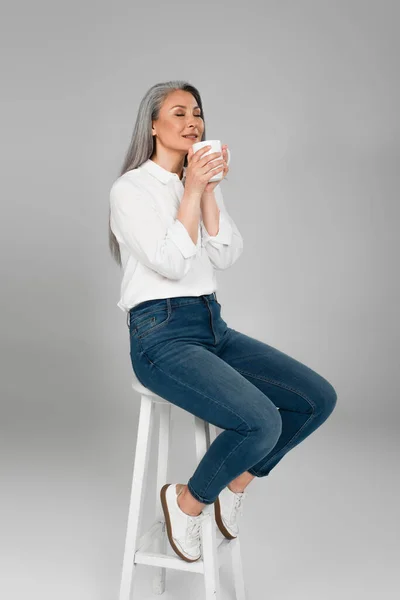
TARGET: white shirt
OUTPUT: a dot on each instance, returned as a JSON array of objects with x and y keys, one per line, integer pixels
[{"x": 158, "y": 256}]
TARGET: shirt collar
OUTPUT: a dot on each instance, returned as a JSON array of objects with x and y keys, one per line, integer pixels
[{"x": 160, "y": 173}]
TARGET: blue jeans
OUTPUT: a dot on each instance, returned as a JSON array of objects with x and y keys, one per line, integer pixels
[{"x": 265, "y": 401}]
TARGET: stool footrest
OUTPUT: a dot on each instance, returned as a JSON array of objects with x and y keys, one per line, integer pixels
[{"x": 156, "y": 559}]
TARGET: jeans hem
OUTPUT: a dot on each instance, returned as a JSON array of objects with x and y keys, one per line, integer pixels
[
  {"x": 256, "y": 473},
  {"x": 197, "y": 496}
]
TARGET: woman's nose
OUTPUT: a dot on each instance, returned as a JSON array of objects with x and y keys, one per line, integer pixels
[{"x": 191, "y": 120}]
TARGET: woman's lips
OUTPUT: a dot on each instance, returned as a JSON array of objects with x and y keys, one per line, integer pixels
[{"x": 194, "y": 137}]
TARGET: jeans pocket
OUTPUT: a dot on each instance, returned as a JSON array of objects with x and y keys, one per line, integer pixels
[{"x": 142, "y": 326}]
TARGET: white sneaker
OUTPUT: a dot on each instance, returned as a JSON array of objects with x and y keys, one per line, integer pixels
[
  {"x": 184, "y": 531},
  {"x": 226, "y": 509}
]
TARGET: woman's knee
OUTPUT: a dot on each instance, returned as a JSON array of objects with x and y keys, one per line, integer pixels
[
  {"x": 326, "y": 398},
  {"x": 268, "y": 428}
]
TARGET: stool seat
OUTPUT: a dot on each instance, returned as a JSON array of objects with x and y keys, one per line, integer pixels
[
  {"x": 138, "y": 387},
  {"x": 138, "y": 548}
]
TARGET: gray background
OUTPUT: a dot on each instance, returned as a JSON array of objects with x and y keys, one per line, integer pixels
[{"x": 306, "y": 95}]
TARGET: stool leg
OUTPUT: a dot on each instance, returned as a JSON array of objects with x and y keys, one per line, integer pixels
[
  {"x": 137, "y": 494},
  {"x": 208, "y": 534},
  {"x": 160, "y": 543},
  {"x": 237, "y": 569}
]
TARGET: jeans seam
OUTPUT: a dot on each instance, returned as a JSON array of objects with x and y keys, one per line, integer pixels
[
  {"x": 194, "y": 389},
  {"x": 280, "y": 384},
  {"x": 145, "y": 312},
  {"x": 224, "y": 461},
  {"x": 186, "y": 303},
  {"x": 296, "y": 435}
]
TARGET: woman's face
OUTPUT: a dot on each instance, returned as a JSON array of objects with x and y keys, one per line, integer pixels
[{"x": 175, "y": 122}]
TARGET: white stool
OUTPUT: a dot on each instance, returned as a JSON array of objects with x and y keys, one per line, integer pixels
[{"x": 137, "y": 550}]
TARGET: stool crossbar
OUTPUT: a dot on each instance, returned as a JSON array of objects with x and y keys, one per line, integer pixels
[{"x": 150, "y": 548}]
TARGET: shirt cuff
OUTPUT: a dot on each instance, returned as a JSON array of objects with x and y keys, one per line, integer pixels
[
  {"x": 181, "y": 238},
  {"x": 224, "y": 235}
]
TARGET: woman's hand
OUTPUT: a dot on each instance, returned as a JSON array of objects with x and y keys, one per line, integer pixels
[
  {"x": 210, "y": 186},
  {"x": 200, "y": 169}
]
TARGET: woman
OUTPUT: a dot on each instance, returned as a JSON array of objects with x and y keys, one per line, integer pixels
[{"x": 170, "y": 231}]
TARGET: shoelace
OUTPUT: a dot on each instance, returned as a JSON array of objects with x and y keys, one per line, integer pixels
[
  {"x": 238, "y": 506},
  {"x": 194, "y": 527}
]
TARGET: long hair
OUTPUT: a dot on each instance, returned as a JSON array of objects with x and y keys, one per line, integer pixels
[{"x": 142, "y": 142}]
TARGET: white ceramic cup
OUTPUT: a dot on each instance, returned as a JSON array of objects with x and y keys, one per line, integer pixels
[{"x": 215, "y": 147}]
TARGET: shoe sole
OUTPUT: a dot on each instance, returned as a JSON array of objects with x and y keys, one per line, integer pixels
[
  {"x": 168, "y": 524},
  {"x": 219, "y": 521}
]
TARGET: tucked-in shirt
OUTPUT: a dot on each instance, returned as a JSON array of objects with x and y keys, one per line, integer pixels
[{"x": 158, "y": 256}]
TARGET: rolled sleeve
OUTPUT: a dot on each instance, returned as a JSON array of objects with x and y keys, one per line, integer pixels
[
  {"x": 225, "y": 232},
  {"x": 224, "y": 248},
  {"x": 181, "y": 238}
]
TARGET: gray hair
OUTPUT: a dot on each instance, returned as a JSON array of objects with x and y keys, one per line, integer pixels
[{"x": 142, "y": 142}]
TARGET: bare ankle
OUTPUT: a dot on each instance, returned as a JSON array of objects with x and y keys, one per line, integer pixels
[
  {"x": 234, "y": 489},
  {"x": 187, "y": 503}
]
